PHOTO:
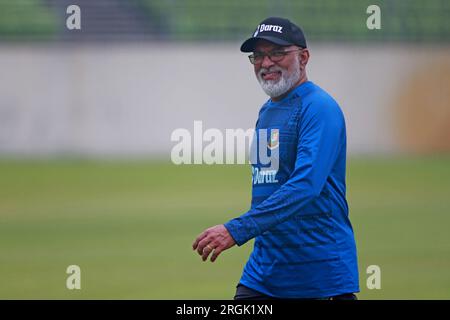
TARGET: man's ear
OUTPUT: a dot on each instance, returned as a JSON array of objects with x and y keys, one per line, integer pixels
[{"x": 304, "y": 57}]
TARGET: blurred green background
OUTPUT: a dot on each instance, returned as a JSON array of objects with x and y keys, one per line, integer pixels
[
  {"x": 215, "y": 20},
  {"x": 130, "y": 226}
]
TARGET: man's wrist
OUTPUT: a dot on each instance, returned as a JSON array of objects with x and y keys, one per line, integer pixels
[{"x": 242, "y": 230}]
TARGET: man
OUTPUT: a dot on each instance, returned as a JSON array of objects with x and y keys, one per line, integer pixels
[{"x": 304, "y": 243}]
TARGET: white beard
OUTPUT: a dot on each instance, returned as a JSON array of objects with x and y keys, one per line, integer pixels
[{"x": 275, "y": 88}]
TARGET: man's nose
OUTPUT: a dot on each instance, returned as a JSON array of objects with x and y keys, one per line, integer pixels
[{"x": 266, "y": 63}]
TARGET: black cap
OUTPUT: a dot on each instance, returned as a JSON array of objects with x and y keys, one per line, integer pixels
[{"x": 277, "y": 30}]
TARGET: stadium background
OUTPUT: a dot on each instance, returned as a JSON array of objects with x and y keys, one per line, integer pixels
[{"x": 85, "y": 123}]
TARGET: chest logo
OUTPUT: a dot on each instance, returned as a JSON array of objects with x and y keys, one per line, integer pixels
[{"x": 274, "y": 139}]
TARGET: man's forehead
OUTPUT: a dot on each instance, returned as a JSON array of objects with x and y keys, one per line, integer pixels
[{"x": 264, "y": 45}]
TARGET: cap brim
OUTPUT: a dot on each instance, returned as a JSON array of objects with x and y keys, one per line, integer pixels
[{"x": 249, "y": 44}]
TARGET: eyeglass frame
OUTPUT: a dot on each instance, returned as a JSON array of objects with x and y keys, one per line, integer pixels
[{"x": 269, "y": 55}]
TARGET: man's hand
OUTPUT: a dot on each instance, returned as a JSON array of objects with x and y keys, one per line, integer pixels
[{"x": 215, "y": 239}]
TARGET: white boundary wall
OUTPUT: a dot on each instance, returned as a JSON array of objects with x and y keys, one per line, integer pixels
[{"x": 127, "y": 99}]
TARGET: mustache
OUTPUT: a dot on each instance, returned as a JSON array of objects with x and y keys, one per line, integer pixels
[{"x": 271, "y": 69}]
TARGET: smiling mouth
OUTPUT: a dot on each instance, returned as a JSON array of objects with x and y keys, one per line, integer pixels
[{"x": 272, "y": 75}]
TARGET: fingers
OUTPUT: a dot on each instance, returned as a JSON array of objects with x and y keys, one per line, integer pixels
[
  {"x": 205, "y": 247},
  {"x": 216, "y": 253},
  {"x": 206, "y": 251},
  {"x": 199, "y": 238},
  {"x": 213, "y": 240},
  {"x": 210, "y": 249},
  {"x": 202, "y": 245}
]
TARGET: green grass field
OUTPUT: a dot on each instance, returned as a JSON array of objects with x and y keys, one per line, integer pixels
[{"x": 130, "y": 225}]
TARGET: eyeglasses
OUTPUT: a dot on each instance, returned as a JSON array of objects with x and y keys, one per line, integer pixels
[{"x": 274, "y": 56}]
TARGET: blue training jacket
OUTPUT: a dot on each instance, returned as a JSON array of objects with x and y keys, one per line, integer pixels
[{"x": 304, "y": 243}]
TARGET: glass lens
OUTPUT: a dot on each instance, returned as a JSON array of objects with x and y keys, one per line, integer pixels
[{"x": 275, "y": 56}]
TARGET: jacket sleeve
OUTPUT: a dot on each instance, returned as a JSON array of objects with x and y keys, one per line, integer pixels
[{"x": 321, "y": 137}]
